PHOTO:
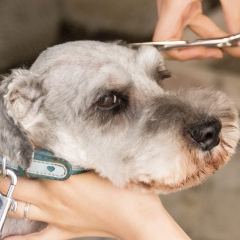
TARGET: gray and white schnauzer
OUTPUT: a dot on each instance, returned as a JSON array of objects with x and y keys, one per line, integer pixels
[{"x": 102, "y": 106}]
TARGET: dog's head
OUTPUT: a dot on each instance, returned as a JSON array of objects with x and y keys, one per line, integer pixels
[{"x": 102, "y": 106}]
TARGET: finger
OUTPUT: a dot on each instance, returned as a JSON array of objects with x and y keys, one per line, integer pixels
[
  {"x": 26, "y": 189},
  {"x": 206, "y": 28},
  {"x": 174, "y": 16},
  {"x": 166, "y": 29},
  {"x": 32, "y": 213},
  {"x": 232, "y": 15},
  {"x": 49, "y": 233},
  {"x": 193, "y": 53}
]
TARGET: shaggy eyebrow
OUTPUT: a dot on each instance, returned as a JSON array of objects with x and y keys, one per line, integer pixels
[{"x": 119, "y": 89}]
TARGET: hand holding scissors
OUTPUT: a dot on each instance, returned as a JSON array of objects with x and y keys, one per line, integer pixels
[{"x": 176, "y": 15}]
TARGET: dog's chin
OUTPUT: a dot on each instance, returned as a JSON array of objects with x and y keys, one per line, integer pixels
[
  {"x": 161, "y": 187},
  {"x": 195, "y": 168}
]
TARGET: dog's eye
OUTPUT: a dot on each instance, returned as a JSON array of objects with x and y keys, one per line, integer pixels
[
  {"x": 161, "y": 74},
  {"x": 107, "y": 102}
]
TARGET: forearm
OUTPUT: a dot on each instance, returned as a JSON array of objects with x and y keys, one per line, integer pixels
[{"x": 157, "y": 226}]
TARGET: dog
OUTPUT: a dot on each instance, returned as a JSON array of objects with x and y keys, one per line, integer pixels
[{"x": 103, "y": 106}]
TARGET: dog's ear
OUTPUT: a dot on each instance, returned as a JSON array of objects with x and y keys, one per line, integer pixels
[{"x": 18, "y": 93}]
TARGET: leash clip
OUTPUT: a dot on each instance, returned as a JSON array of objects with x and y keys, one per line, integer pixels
[{"x": 6, "y": 201}]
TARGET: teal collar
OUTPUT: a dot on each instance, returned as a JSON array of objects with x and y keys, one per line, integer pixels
[{"x": 46, "y": 165}]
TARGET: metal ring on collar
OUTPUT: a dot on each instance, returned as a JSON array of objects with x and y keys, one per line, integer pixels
[{"x": 25, "y": 213}]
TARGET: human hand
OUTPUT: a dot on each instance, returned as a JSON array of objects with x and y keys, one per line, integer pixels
[
  {"x": 175, "y": 15},
  {"x": 87, "y": 205}
]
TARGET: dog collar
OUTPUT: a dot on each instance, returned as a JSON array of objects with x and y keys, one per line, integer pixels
[{"x": 46, "y": 165}]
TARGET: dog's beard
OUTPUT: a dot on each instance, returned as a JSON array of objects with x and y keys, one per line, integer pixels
[{"x": 179, "y": 162}]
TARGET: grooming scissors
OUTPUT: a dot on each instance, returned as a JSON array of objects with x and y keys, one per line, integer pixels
[{"x": 230, "y": 41}]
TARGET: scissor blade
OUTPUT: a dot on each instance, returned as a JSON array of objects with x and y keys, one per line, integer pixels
[
  {"x": 230, "y": 41},
  {"x": 163, "y": 45}
]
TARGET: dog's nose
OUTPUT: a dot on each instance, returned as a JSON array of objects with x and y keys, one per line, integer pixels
[{"x": 206, "y": 134}]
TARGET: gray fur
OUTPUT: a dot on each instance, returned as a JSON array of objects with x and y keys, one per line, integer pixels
[
  {"x": 101, "y": 106},
  {"x": 22, "y": 226},
  {"x": 14, "y": 143}
]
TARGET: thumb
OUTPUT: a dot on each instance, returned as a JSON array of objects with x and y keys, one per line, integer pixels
[
  {"x": 173, "y": 17},
  {"x": 169, "y": 25}
]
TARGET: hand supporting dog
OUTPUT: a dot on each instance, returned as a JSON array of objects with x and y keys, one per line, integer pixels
[
  {"x": 102, "y": 106},
  {"x": 91, "y": 206}
]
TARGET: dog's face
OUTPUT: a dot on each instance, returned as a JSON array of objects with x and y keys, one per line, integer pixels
[{"x": 102, "y": 106}]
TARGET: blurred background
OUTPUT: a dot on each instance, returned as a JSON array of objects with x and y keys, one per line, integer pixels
[{"x": 210, "y": 211}]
